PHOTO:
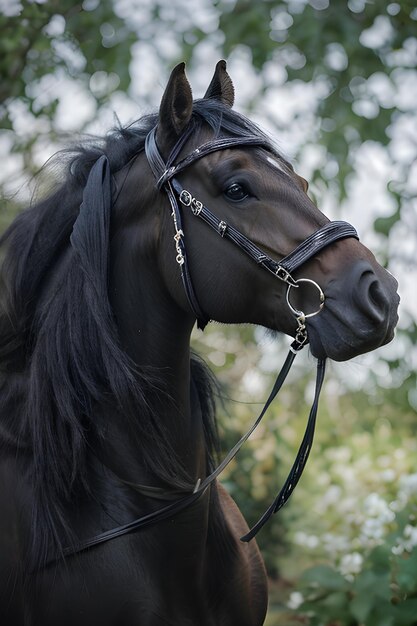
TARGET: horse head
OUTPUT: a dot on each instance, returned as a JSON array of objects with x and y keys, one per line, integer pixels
[{"x": 254, "y": 189}]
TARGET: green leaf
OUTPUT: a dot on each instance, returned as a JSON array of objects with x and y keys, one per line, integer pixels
[
  {"x": 383, "y": 615},
  {"x": 383, "y": 225},
  {"x": 373, "y": 583},
  {"x": 325, "y": 577},
  {"x": 407, "y": 573},
  {"x": 406, "y": 613},
  {"x": 362, "y": 605},
  {"x": 380, "y": 558}
]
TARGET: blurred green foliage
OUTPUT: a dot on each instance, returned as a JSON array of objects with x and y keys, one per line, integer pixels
[
  {"x": 343, "y": 551},
  {"x": 326, "y": 42},
  {"x": 334, "y": 43},
  {"x": 382, "y": 593},
  {"x": 70, "y": 39},
  {"x": 30, "y": 47}
]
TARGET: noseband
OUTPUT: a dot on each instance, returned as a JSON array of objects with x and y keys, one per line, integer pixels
[{"x": 166, "y": 176}]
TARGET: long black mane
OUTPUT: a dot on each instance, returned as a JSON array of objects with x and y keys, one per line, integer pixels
[{"x": 59, "y": 350}]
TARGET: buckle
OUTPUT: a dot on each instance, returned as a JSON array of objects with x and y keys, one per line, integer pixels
[
  {"x": 186, "y": 198},
  {"x": 284, "y": 275}
]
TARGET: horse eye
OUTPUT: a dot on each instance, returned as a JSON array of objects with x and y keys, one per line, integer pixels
[{"x": 236, "y": 192}]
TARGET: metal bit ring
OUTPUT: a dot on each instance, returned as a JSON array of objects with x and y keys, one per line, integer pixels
[{"x": 298, "y": 313}]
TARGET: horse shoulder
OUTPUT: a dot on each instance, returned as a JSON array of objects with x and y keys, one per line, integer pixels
[{"x": 250, "y": 555}]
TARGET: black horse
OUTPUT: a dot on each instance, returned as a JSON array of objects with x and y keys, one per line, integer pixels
[{"x": 105, "y": 418}]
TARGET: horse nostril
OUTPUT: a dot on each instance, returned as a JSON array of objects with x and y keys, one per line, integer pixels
[
  {"x": 371, "y": 298},
  {"x": 376, "y": 294}
]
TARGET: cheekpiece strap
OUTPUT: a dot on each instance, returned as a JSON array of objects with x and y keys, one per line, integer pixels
[{"x": 158, "y": 167}]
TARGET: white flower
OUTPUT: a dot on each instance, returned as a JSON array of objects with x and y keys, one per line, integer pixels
[
  {"x": 308, "y": 541},
  {"x": 387, "y": 475},
  {"x": 400, "y": 503},
  {"x": 332, "y": 496},
  {"x": 295, "y": 601},
  {"x": 377, "y": 508},
  {"x": 335, "y": 543},
  {"x": 372, "y": 529},
  {"x": 351, "y": 564},
  {"x": 410, "y": 535},
  {"x": 408, "y": 484},
  {"x": 407, "y": 542}
]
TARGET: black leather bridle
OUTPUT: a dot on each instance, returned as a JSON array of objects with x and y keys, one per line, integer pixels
[{"x": 166, "y": 180}]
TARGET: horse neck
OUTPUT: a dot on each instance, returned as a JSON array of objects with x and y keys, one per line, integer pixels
[{"x": 156, "y": 335}]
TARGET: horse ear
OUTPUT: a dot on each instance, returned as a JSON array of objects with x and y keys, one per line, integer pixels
[
  {"x": 176, "y": 105},
  {"x": 221, "y": 86}
]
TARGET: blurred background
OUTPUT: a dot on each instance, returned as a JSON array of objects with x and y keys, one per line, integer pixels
[{"x": 336, "y": 84}]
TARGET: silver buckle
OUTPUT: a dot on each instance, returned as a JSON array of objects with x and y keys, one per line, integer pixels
[
  {"x": 196, "y": 206},
  {"x": 186, "y": 198},
  {"x": 222, "y": 228},
  {"x": 284, "y": 275}
]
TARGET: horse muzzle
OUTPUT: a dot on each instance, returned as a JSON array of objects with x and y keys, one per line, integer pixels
[{"x": 360, "y": 313}]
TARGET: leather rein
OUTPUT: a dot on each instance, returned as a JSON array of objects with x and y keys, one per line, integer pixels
[{"x": 165, "y": 174}]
